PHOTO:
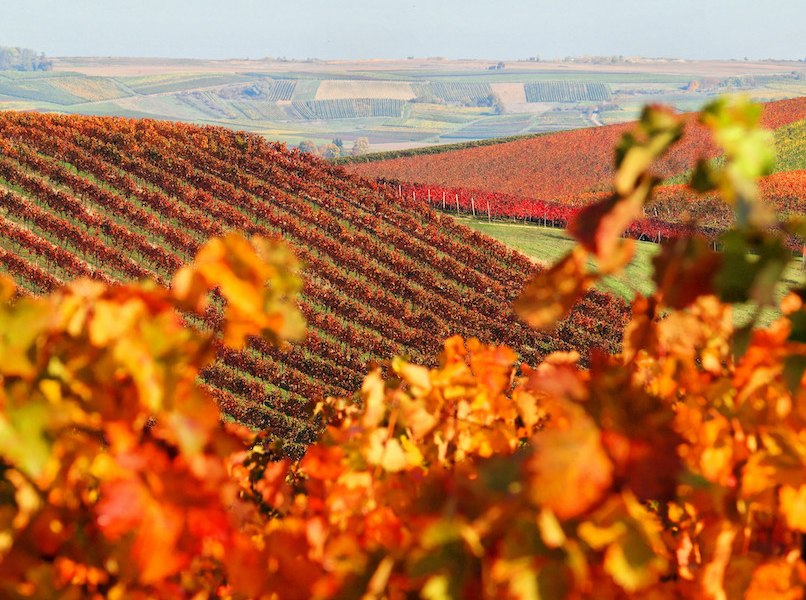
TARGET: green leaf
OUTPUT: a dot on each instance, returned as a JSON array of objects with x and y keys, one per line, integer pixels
[
  {"x": 753, "y": 264},
  {"x": 794, "y": 366},
  {"x": 24, "y": 442},
  {"x": 798, "y": 321}
]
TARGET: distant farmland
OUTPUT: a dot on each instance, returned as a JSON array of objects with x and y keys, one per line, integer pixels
[{"x": 394, "y": 104}]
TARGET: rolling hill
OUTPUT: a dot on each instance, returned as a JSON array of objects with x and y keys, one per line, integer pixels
[
  {"x": 119, "y": 199},
  {"x": 561, "y": 166}
]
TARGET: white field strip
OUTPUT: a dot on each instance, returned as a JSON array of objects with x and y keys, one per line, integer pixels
[
  {"x": 510, "y": 93},
  {"x": 513, "y": 97},
  {"x": 337, "y": 89}
]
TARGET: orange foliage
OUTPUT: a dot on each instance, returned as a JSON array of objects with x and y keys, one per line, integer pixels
[{"x": 676, "y": 469}]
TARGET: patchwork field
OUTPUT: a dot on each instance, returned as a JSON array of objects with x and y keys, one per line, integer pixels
[{"x": 443, "y": 100}]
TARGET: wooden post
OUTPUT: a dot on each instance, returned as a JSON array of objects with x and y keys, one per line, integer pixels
[
  {"x": 473, "y": 205},
  {"x": 414, "y": 196},
  {"x": 489, "y": 220},
  {"x": 443, "y": 200},
  {"x": 429, "y": 196},
  {"x": 399, "y": 190},
  {"x": 457, "y": 204}
]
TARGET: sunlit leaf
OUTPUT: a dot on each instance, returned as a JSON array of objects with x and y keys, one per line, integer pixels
[{"x": 551, "y": 293}]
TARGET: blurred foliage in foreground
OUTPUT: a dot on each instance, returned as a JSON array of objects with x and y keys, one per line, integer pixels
[{"x": 676, "y": 469}]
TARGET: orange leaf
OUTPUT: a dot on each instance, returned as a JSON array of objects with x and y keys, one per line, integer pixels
[
  {"x": 551, "y": 293},
  {"x": 569, "y": 471}
]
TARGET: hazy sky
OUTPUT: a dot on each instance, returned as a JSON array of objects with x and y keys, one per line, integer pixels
[{"x": 392, "y": 29}]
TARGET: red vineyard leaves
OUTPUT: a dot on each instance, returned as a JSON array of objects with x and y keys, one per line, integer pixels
[
  {"x": 552, "y": 166},
  {"x": 122, "y": 200}
]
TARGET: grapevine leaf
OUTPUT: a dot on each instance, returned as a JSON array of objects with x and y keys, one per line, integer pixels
[
  {"x": 569, "y": 471},
  {"x": 551, "y": 293}
]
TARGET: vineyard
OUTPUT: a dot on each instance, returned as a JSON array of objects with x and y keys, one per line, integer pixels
[
  {"x": 567, "y": 91},
  {"x": 122, "y": 200},
  {"x": 790, "y": 142},
  {"x": 347, "y": 108},
  {"x": 554, "y": 166},
  {"x": 460, "y": 93},
  {"x": 667, "y": 216},
  {"x": 218, "y": 107},
  {"x": 264, "y": 90}
]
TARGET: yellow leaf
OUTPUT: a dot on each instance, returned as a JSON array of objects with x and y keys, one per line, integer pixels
[
  {"x": 598, "y": 537},
  {"x": 373, "y": 394},
  {"x": 386, "y": 453},
  {"x": 437, "y": 588},
  {"x": 416, "y": 376},
  {"x": 632, "y": 562},
  {"x": 551, "y": 529},
  {"x": 111, "y": 320},
  {"x": 793, "y": 506},
  {"x": 7, "y": 288}
]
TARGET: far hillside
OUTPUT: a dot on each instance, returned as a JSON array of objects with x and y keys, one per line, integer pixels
[{"x": 567, "y": 164}]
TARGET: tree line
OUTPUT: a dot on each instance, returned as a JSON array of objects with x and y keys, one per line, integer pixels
[{"x": 23, "y": 59}]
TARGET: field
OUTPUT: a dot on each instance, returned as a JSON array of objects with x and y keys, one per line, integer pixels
[
  {"x": 338, "y": 89},
  {"x": 443, "y": 100},
  {"x": 356, "y": 108},
  {"x": 546, "y": 245},
  {"x": 102, "y": 198},
  {"x": 567, "y": 91}
]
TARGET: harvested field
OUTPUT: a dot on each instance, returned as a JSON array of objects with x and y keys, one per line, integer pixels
[{"x": 344, "y": 89}]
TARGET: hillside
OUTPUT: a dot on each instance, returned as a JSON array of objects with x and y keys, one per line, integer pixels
[
  {"x": 118, "y": 199},
  {"x": 559, "y": 165}
]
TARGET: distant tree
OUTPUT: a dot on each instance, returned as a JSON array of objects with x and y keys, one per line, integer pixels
[
  {"x": 360, "y": 146},
  {"x": 339, "y": 142},
  {"x": 329, "y": 151},
  {"x": 308, "y": 147},
  {"x": 493, "y": 101},
  {"x": 23, "y": 59}
]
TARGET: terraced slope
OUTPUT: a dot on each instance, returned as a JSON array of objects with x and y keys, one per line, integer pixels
[
  {"x": 558, "y": 165},
  {"x": 119, "y": 199}
]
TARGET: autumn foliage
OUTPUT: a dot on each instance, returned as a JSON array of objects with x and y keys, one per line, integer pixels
[
  {"x": 118, "y": 200},
  {"x": 557, "y": 166},
  {"x": 675, "y": 469}
]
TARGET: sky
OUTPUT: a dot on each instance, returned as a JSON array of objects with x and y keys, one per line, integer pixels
[{"x": 355, "y": 29}]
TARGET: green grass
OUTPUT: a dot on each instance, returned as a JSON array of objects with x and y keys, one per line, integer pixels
[
  {"x": 305, "y": 90},
  {"x": 546, "y": 245}
]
